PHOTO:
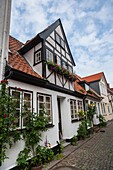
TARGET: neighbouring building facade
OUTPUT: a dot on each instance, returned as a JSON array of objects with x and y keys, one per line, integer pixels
[{"x": 99, "y": 83}]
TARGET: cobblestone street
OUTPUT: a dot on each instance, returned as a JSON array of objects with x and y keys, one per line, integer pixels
[{"x": 95, "y": 153}]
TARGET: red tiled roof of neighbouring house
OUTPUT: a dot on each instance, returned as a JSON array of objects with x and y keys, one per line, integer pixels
[
  {"x": 80, "y": 89},
  {"x": 94, "y": 77},
  {"x": 18, "y": 62}
]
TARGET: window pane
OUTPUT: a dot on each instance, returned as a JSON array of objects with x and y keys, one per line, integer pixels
[
  {"x": 16, "y": 94},
  {"x": 58, "y": 38},
  {"x": 38, "y": 57},
  {"x": 62, "y": 43},
  {"x": 17, "y": 116},
  {"x": 47, "y": 99},
  {"x": 27, "y": 96},
  {"x": 49, "y": 55},
  {"x": 41, "y": 98},
  {"x": 45, "y": 103},
  {"x": 27, "y": 104},
  {"x": 41, "y": 105}
]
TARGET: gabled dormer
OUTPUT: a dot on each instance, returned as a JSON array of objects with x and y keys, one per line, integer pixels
[{"x": 50, "y": 56}]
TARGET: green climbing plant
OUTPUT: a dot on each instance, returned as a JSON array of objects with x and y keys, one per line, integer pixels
[{"x": 8, "y": 133}]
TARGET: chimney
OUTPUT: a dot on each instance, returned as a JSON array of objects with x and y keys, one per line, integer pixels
[{"x": 5, "y": 13}]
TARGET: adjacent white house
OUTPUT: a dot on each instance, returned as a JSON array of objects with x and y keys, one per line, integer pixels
[{"x": 99, "y": 83}]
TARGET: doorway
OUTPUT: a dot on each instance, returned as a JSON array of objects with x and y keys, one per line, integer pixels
[{"x": 60, "y": 121}]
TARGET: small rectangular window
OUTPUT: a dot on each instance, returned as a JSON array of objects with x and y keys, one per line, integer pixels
[
  {"x": 44, "y": 103},
  {"x": 73, "y": 107},
  {"x": 49, "y": 55},
  {"x": 64, "y": 65},
  {"x": 37, "y": 57},
  {"x": 80, "y": 106},
  {"x": 70, "y": 69},
  {"x": 23, "y": 100},
  {"x": 58, "y": 60},
  {"x": 58, "y": 38},
  {"x": 62, "y": 43}
]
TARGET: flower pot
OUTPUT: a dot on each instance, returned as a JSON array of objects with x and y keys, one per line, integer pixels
[{"x": 39, "y": 167}]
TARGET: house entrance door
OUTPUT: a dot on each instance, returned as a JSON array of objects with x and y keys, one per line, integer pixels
[{"x": 60, "y": 122}]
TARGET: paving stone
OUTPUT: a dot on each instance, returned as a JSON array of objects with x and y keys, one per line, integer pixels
[{"x": 95, "y": 153}]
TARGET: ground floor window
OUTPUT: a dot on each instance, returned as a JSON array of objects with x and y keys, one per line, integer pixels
[
  {"x": 75, "y": 106},
  {"x": 23, "y": 101},
  {"x": 44, "y": 103}
]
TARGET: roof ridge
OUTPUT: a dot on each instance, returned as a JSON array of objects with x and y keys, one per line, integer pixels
[
  {"x": 16, "y": 39},
  {"x": 93, "y": 74}
]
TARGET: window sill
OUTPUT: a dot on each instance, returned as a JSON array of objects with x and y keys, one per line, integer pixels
[
  {"x": 50, "y": 126},
  {"x": 75, "y": 120}
]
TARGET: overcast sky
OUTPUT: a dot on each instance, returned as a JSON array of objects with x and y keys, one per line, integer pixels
[{"x": 88, "y": 25}]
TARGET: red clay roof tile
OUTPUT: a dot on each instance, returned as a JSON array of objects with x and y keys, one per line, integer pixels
[
  {"x": 17, "y": 61},
  {"x": 94, "y": 77}
]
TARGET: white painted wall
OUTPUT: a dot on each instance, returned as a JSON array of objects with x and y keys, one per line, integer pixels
[
  {"x": 52, "y": 134},
  {"x": 29, "y": 56},
  {"x": 105, "y": 99}
]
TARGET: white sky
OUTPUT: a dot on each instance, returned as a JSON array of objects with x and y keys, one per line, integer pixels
[{"x": 88, "y": 25}]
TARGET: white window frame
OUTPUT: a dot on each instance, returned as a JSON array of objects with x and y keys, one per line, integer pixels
[
  {"x": 79, "y": 105},
  {"x": 44, "y": 102},
  {"x": 74, "y": 111},
  {"x": 49, "y": 55},
  {"x": 37, "y": 57},
  {"x": 22, "y": 101}
]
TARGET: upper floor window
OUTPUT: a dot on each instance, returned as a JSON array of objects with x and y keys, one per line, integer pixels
[
  {"x": 103, "y": 89},
  {"x": 49, "y": 55},
  {"x": 44, "y": 103},
  {"x": 57, "y": 38},
  {"x": 64, "y": 65},
  {"x": 70, "y": 69},
  {"x": 58, "y": 60},
  {"x": 60, "y": 41},
  {"x": 37, "y": 57},
  {"x": 23, "y": 101}
]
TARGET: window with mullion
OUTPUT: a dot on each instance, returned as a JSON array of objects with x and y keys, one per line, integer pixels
[
  {"x": 37, "y": 57},
  {"x": 80, "y": 105},
  {"x": 17, "y": 100},
  {"x": 73, "y": 109},
  {"x": 23, "y": 101},
  {"x": 44, "y": 103},
  {"x": 27, "y": 103},
  {"x": 49, "y": 55},
  {"x": 59, "y": 60}
]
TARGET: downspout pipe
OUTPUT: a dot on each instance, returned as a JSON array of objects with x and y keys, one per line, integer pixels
[{"x": 6, "y": 9}]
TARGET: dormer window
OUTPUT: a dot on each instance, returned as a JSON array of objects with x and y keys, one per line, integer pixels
[
  {"x": 49, "y": 55},
  {"x": 37, "y": 57},
  {"x": 86, "y": 87}
]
